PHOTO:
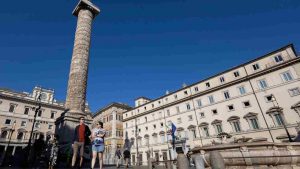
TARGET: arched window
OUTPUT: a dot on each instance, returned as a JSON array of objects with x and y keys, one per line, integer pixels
[
  {"x": 4, "y": 134},
  {"x": 20, "y": 136},
  {"x": 235, "y": 123}
]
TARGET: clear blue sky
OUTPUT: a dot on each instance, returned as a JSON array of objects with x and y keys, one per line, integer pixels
[{"x": 139, "y": 47}]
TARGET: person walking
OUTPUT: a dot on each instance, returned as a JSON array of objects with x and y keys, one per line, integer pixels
[
  {"x": 98, "y": 134},
  {"x": 126, "y": 157},
  {"x": 54, "y": 148},
  {"x": 118, "y": 154},
  {"x": 80, "y": 139}
]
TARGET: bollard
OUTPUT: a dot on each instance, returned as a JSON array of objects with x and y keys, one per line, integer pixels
[
  {"x": 199, "y": 162},
  {"x": 216, "y": 160},
  {"x": 182, "y": 161}
]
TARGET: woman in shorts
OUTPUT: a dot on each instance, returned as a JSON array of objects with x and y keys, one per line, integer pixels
[{"x": 98, "y": 134}]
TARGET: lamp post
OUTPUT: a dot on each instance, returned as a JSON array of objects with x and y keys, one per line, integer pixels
[
  {"x": 34, "y": 119},
  {"x": 281, "y": 119},
  {"x": 9, "y": 139}
]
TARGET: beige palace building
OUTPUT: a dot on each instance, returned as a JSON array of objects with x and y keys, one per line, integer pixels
[
  {"x": 17, "y": 111},
  {"x": 250, "y": 100},
  {"x": 112, "y": 116}
]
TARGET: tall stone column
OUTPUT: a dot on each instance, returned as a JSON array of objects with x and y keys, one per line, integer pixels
[
  {"x": 76, "y": 94},
  {"x": 77, "y": 84}
]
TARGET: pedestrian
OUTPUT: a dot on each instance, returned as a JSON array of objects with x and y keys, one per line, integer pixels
[
  {"x": 297, "y": 139},
  {"x": 98, "y": 134},
  {"x": 54, "y": 149},
  {"x": 126, "y": 157},
  {"x": 118, "y": 154},
  {"x": 80, "y": 139}
]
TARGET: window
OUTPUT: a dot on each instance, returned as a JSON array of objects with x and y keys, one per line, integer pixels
[
  {"x": 20, "y": 136},
  {"x": 255, "y": 66},
  {"x": 199, "y": 103},
  {"x": 178, "y": 120},
  {"x": 126, "y": 124},
  {"x": 52, "y": 114},
  {"x": 145, "y": 108},
  {"x": 294, "y": 91},
  {"x": 158, "y": 102},
  {"x": 278, "y": 119},
  {"x": 145, "y": 119},
  {"x": 37, "y": 125},
  {"x": 222, "y": 79},
  {"x": 236, "y": 74},
  {"x": 50, "y": 127},
  {"x": 188, "y": 107},
  {"x": 278, "y": 59},
  {"x": 185, "y": 92},
  {"x": 214, "y": 111},
  {"x": 218, "y": 128},
  {"x": 190, "y": 117},
  {"x": 205, "y": 131},
  {"x": 207, "y": 84},
  {"x": 177, "y": 109},
  {"x": 268, "y": 98},
  {"x": 175, "y": 96},
  {"x": 226, "y": 95},
  {"x": 40, "y": 113},
  {"x": 154, "y": 126},
  {"x": 161, "y": 124},
  {"x": 159, "y": 114},
  {"x": 12, "y": 108},
  {"x": 254, "y": 123},
  {"x": 262, "y": 84},
  {"x": 26, "y": 110},
  {"x": 211, "y": 99},
  {"x": 23, "y": 123},
  {"x": 152, "y": 105},
  {"x": 242, "y": 90},
  {"x": 146, "y": 128},
  {"x": 236, "y": 126},
  {"x": 286, "y": 76},
  {"x": 202, "y": 115},
  {"x": 230, "y": 108},
  {"x": 8, "y": 122},
  {"x": 168, "y": 112},
  {"x": 196, "y": 89},
  {"x": 166, "y": 99},
  {"x": 246, "y": 104}
]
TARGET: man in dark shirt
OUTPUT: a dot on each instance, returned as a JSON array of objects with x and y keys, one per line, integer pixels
[
  {"x": 81, "y": 138},
  {"x": 126, "y": 157}
]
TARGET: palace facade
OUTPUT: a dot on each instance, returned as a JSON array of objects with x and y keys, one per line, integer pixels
[{"x": 254, "y": 100}]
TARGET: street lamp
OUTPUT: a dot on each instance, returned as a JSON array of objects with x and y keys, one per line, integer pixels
[
  {"x": 280, "y": 111},
  {"x": 34, "y": 119},
  {"x": 9, "y": 139}
]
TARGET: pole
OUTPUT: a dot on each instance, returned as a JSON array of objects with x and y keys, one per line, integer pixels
[
  {"x": 283, "y": 121},
  {"x": 167, "y": 133},
  {"x": 9, "y": 139},
  {"x": 137, "y": 144},
  {"x": 30, "y": 137},
  {"x": 196, "y": 119},
  {"x": 262, "y": 113}
]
